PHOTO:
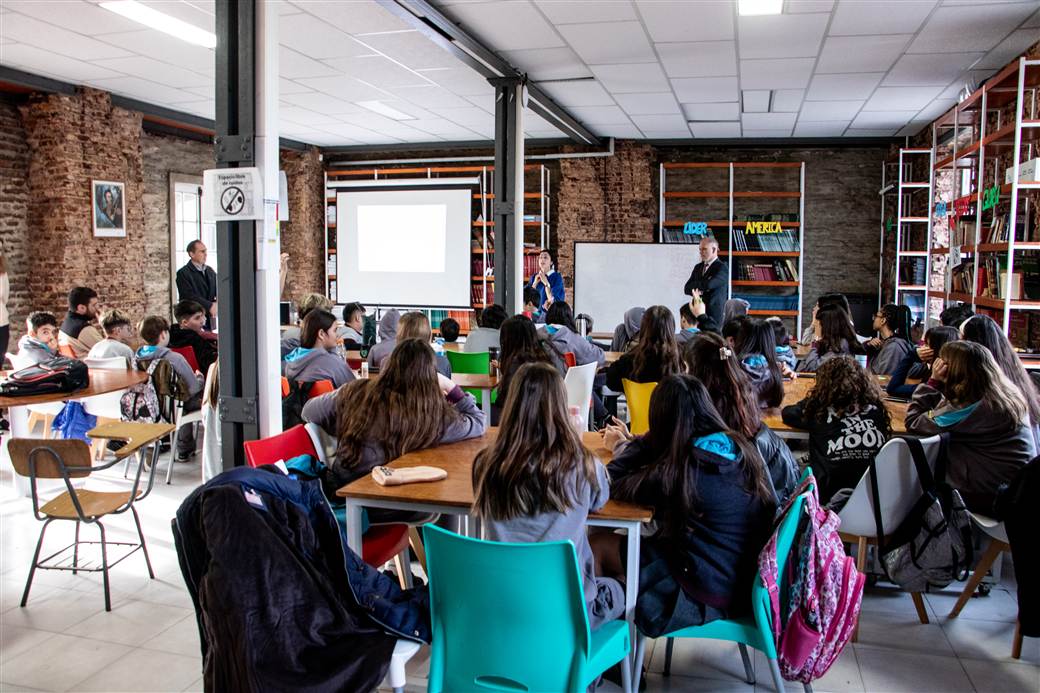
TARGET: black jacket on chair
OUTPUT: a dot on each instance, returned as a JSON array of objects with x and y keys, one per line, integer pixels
[
  {"x": 712, "y": 285},
  {"x": 1016, "y": 506}
]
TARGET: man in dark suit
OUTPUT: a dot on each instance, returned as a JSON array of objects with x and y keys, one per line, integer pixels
[
  {"x": 710, "y": 279},
  {"x": 197, "y": 282}
]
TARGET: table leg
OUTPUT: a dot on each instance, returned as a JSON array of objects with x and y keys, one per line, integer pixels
[
  {"x": 19, "y": 417},
  {"x": 631, "y": 593},
  {"x": 485, "y": 405},
  {"x": 354, "y": 526}
]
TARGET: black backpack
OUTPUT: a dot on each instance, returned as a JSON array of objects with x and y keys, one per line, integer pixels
[
  {"x": 59, "y": 374},
  {"x": 292, "y": 403}
]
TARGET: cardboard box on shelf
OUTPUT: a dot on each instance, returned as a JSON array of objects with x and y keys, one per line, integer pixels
[{"x": 1028, "y": 172}]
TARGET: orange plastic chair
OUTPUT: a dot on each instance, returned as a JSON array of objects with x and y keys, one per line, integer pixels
[
  {"x": 66, "y": 350},
  {"x": 285, "y": 387},
  {"x": 568, "y": 358},
  {"x": 321, "y": 387}
]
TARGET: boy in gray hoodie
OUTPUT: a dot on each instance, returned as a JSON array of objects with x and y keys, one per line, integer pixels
[
  {"x": 40, "y": 343},
  {"x": 155, "y": 331},
  {"x": 387, "y": 332}
]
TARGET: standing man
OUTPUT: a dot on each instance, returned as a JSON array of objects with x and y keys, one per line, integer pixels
[
  {"x": 78, "y": 330},
  {"x": 197, "y": 282},
  {"x": 709, "y": 280}
]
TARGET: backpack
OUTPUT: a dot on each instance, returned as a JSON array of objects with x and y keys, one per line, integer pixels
[
  {"x": 292, "y": 403},
  {"x": 823, "y": 591},
  {"x": 933, "y": 545},
  {"x": 140, "y": 402},
  {"x": 59, "y": 374}
]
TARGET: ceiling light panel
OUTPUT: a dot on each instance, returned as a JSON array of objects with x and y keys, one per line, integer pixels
[
  {"x": 677, "y": 20},
  {"x": 782, "y": 36},
  {"x": 699, "y": 59},
  {"x": 752, "y": 8},
  {"x": 161, "y": 21}
]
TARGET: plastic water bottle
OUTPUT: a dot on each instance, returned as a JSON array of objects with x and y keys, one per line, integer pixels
[{"x": 438, "y": 346}]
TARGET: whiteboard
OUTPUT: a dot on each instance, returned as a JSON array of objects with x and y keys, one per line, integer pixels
[{"x": 610, "y": 278}]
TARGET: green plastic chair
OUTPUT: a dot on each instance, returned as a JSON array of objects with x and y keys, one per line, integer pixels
[
  {"x": 754, "y": 630},
  {"x": 478, "y": 362},
  {"x": 511, "y": 617}
]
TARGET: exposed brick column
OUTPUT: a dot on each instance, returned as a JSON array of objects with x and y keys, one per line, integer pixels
[
  {"x": 302, "y": 235},
  {"x": 14, "y": 214}
]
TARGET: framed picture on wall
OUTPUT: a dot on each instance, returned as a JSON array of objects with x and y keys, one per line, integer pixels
[{"x": 109, "y": 208}]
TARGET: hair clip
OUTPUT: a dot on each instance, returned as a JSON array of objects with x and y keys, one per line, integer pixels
[{"x": 725, "y": 353}]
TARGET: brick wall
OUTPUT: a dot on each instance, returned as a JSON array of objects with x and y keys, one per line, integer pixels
[
  {"x": 14, "y": 211},
  {"x": 302, "y": 234}
]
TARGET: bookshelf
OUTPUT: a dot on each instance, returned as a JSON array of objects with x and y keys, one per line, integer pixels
[
  {"x": 756, "y": 212},
  {"x": 980, "y": 147},
  {"x": 536, "y": 223},
  {"x": 913, "y": 225}
]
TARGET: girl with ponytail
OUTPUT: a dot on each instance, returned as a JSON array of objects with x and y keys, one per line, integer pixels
[{"x": 893, "y": 343}]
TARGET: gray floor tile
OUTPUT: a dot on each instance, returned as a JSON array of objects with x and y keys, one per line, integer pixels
[
  {"x": 903, "y": 632},
  {"x": 63, "y": 662},
  {"x": 141, "y": 670},
  {"x": 893, "y": 671},
  {"x": 1000, "y": 605},
  {"x": 14, "y": 640},
  {"x": 974, "y": 639},
  {"x": 181, "y": 638},
  {"x": 130, "y": 622},
  {"x": 57, "y": 610},
  {"x": 1002, "y": 677},
  {"x": 843, "y": 676},
  {"x": 697, "y": 658}
]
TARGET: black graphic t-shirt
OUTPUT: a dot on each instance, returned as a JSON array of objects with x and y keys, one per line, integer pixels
[{"x": 840, "y": 447}]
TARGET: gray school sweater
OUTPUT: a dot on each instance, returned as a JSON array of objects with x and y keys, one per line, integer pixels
[
  {"x": 193, "y": 380},
  {"x": 565, "y": 340},
  {"x": 604, "y": 597},
  {"x": 313, "y": 365}
]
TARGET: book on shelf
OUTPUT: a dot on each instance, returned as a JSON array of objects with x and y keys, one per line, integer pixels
[
  {"x": 999, "y": 229},
  {"x": 330, "y": 214},
  {"x": 961, "y": 278},
  {"x": 784, "y": 241},
  {"x": 677, "y": 236},
  {"x": 913, "y": 271},
  {"x": 785, "y": 270},
  {"x": 963, "y": 232},
  {"x": 770, "y": 301}
]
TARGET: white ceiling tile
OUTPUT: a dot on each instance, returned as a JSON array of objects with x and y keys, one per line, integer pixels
[
  {"x": 829, "y": 111},
  {"x": 877, "y": 132},
  {"x": 285, "y": 7},
  {"x": 837, "y": 87},
  {"x": 33, "y": 32},
  {"x": 600, "y": 115},
  {"x": 352, "y": 131},
  {"x": 316, "y": 38},
  {"x": 293, "y": 65},
  {"x": 715, "y": 130},
  {"x": 799, "y": 6},
  {"x": 199, "y": 14},
  {"x": 160, "y": 46},
  {"x": 32, "y": 59},
  {"x": 431, "y": 97},
  {"x": 82, "y": 17},
  {"x": 659, "y": 122},
  {"x": 861, "y": 53},
  {"x": 542, "y": 134},
  {"x": 144, "y": 90},
  {"x": 634, "y": 78},
  {"x": 509, "y": 25},
  {"x": 287, "y": 86},
  {"x": 203, "y": 109},
  {"x": 771, "y": 133},
  {"x": 588, "y": 93},
  {"x": 535, "y": 123},
  {"x": 679, "y": 20},
  {"x": 931, "y": 69},
  {"x": 354, "y": 17},
  {"x": 304, "y": 116},
  {"x": 703, "y": 59},
  {"x": 648, "y": 104},
  {"x": 442, "y": 127},
  {"x": 548, "y": 63},
  {"x": 1033, "y": 22},
  {"x": 322, "y": 103},
  {"x": 411, "y": 49},
  {"x": 787, "y": 100},
  {"x": 879, "y": 17},
  {"x": 712, "y": 111},
  {"x": 820, "y": 129},
  {"x": 677, "y": 134},
  {"x": 705, "y": 89},
  {"x": 579, "y": 12},
  {"x": 156, "y": 71},
  {"x": 461, "y": 80},
  {"x": 618, "y": 130},
  {"x": 612, "y": 42},
  {"x": 768, "y": 121},
  {"x": 912, "y": 129},
  {"x": 755, "y": 100},
  {"x": 786, "y": 73},
  {"x": 205, "y": 92},
  {"x": 343, "y": 87},
  {"x": 976, "y": 27},
  {"x": 484, "y": 102},
  {"x": 1009, "y": 49},
  {"x": 781, "y": 35},
  {"x": 935, "y": 109},
  {"x": 471, "y": 117},
  {"x": 402, "y": 130},
  {"x": 883, "y": 119},
  {"x": 901, "y": 98}
]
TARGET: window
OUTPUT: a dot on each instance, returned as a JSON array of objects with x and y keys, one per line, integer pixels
[{"x": 186, "y": 225}]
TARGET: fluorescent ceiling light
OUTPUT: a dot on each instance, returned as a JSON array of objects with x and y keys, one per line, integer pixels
[
  {"x": 747, "y": 8},
  {"x": 160, "y": 21},
  {"x": 382, "y": 109}
]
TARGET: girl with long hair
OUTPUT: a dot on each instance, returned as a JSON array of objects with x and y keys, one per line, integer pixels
[
  {"x": 985, "y": 416},
  {"x": 654, "y": 355},
  {"x": 520, "y": 344},
  {"x": 713, "y": 507},
  {"x": 537, "y": 482},
  {"x": 983, "y": 330},
  {"x": 847, "y": 421},
  {"x": 315, "y": 359},
  {"x": 892, "y": 323},
  {"x": 415, "y": 325},
  {"x": 711, "y": 361},
  {"x": 756, "y": 349},
  {"x": 834, "y": 336},
  {"x": 918, "y": 362}
]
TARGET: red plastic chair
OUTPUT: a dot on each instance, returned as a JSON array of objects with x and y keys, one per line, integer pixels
[
  {"x": 189, "y": 355},
  {"x": 380, "y": 544},
  {"x": 568, "y": 358},
  {"x": 66, "y": 350},
  {"x": 321, "y": 387}
]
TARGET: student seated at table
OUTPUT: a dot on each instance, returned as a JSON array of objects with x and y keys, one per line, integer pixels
[
  {"x": 531, "y": 309},
  {"x": 315, "y": 359},
  {"x": 291, "y": 336},
  {"x": 847, "y": 422},
  {"x": 955, "y": 316},
  {"x": 155, "y": 331},
  {"x": 189, "y": 332},
  {"x": 985, "y": 415},
  {"x": 627, "y": 331},
  {"x": 410, "y": 406},
  {"x": 40, "y": 342},
  {"x": 713, "y": 508},
  {"x": 654, "y": 355},
  {"x": 520, "y": 345},
  {"x": 834, "y": 299},
  {"x": 352, "y": 331},
  {"x": 917, "y": 364},
  {"x": 892, "y": 324},
  {"x": 537, "y": 482},
  {"x": 387, "y": 333},
  {"x": 707, "y": 358},
  {"x": 731, "y": 328},
  {"x": 562, "y": 333},
  {"x": 118, "y": 336},
  {"x": 449, "y": 329},
  {"x": 785, "y": 356},
  {"x": 486, "y": 335},
  {"x": 983, "y": 330},
  {"x": 687, "y": 325},
  {"x": 834, "y": 336},
  {"x": 415, "y": 325},
  {"x": 78, "y": 330},
  {"x": 735, "y": 308},
  {"x": 756, "y": 349}
]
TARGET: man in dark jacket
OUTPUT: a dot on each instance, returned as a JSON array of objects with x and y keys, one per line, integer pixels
[
  {"x": 710, "y": 279},
  {"x": 198, "y": 282}
]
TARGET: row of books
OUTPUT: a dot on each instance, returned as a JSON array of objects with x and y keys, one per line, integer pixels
[
  {"x": 961, "y": 278},
  {"x": 677, "y": 236},
  {"x": 912, "y": 271},
  {"x": 777, "y": 270},
  {"x": 771, "y": 301},
  {"x": 1024, "y": 330},
  {"x": 477, "y": 294},
  {"x": 1025, "y": 280},
  {"x": 463, "y": 317},
  {"x": 999, "y": 230},
  {"x": 479, "y": 268},
  {"x": 784, "y": 241}
]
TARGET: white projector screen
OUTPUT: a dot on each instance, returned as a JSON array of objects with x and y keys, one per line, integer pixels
[{"x": 404, "y": 247}]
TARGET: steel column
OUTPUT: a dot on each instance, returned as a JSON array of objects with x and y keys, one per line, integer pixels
[{"x": 509, "y": 182}]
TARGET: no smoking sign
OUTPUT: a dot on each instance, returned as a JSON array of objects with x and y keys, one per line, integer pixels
[{"x": 232, "y": 194}]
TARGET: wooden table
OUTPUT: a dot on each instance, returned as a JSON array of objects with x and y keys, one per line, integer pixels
[
  {"x": 454, "y": 496},
  {"x": 612, "y": 356},
  {"x": 796, "y": 390},
  {"x": 478, "y": 381}
]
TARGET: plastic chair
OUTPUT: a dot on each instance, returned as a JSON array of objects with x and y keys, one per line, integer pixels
[
  {"x": 570, "y": 359},
  {"x": 899, "y": 489},
  {"x": 105, "y": 407},
  {"x": 478, "y": 362},
  {"x": 578, "y": 382},
  {"x": 754, "y": 630},
  {"x": 189, "y": 355},
  {"x": 381, "y": 543},
  {"x": 66, "y": 350},
  {"x": 511, "y": 617},
  {"x": 637, "y": 395},
  {"x": 183, "y": 418}
]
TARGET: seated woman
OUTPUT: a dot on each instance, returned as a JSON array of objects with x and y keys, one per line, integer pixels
[
  {"x": 415, "y": 325},
  {"x": 520, "y": 345},
  {"x": 833, "y": 337},
  {"x": 654, "y": 355},
  {"x": 410, "y": 406},
  {"x": 985, "y": 415},
  {"x": 917, "y": 363},
  {"x": 708, "y": 359},
  {"x": 314, "y": 360},
  {"x": 892, "y": 323},
  {"x": 983, "y": 330},
  {"x": 847, "y": 422},
  {"x": 756, "y": 349},
  {"x": 713, "y": 509}
]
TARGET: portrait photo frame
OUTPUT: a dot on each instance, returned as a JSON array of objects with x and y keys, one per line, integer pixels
[{"x": 108, "y": 208}]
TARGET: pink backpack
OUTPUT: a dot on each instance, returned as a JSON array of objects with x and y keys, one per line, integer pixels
[{"x": 823, "y": 591}]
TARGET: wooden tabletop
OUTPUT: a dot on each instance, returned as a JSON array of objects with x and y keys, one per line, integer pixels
[
  {"x": 612, "y": 356},
  {"x": 796, "y": 390},
  {"x": 102, "y": 381},
  {"x": 136, "y": 434},
  {"x": 457, "y": 489},
  {"x": 480, "y": 381}
]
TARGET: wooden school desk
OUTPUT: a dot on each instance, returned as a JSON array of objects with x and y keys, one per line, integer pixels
[
  {"x": 796, "y": 390},
  {"x": 478, "y": 381},
  {"x": 454, "y": 496}
]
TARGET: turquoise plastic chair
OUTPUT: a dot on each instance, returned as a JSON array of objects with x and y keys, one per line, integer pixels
[
  {"x": 478, "y": 362},
  {"x": 754, "y": 630},
  {"x": 511, "y": 617}
]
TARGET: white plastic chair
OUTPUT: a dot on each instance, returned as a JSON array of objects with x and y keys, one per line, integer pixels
[
  {"x": 403, "y": 651},
  {"x": 898, "y": 490},
  {"x": 182, "y": 418},
  {"x": 578, "y": 382}
]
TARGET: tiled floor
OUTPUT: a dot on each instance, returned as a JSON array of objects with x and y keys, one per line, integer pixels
[{"x": 65, "y": 641}]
